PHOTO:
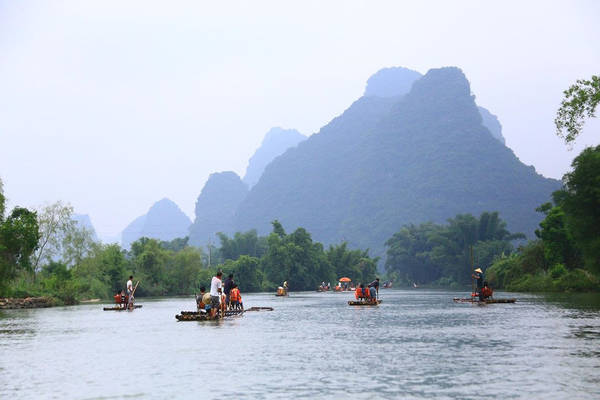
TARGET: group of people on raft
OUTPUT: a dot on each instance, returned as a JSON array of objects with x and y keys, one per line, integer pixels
[
  {"x": 221, "y": 297},
  {"x": 125, "y": 299},
  {"x": 369, "y": 293}
]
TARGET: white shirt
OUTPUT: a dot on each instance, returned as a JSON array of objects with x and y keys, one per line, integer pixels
[
  {"x": 129, "y": 286},
  {"x": 215, "y": 285}
]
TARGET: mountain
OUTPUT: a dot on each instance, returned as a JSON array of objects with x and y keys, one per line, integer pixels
[
  {"x": 397, "y": 156},
  {"x": 163, "y": 221},
  {"x": 397, "y": 81},
  {"x": 215, "y": 207},
  {"x": 491, "y": 122},
  {"x": 84, "y": 221},
  {"x": 275, "y": 143},
  {"x": 391, "y": 82}
]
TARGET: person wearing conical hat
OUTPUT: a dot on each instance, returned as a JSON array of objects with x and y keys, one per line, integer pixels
[{"x": 478, "y": 276}]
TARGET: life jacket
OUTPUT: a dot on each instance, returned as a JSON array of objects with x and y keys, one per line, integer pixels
[
  {"x": 234, "y": 295},
  {"x": 487, "y": 291},
  {"x": 118, "y": 298},
  {"x": 366, "y": 293}
]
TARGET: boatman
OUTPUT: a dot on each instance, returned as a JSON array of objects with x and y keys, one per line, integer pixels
[
  {"x": 478, "y": 276},
  {"x": 374, "y": 289},
  {"x": 130, "y": 292},
  {"x": 216, "y": 288}
]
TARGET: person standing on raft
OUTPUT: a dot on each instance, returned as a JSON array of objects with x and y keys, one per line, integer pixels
[
  {"x": 374, "y": 289},
  {"x": 216, "y": 288},
  {"x": 130, "y": 292},
  {"x": 478, "y": 276}
]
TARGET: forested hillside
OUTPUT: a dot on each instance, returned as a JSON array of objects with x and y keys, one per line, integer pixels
[{"x": 387, "y": 161}]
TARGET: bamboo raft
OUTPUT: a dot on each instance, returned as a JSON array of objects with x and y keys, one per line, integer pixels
[
  {"x": 364, "y": 303},
  {"x": 486, "y": 301},
  {"x": 202, "y": 316},
  {"x": 115, "y": 308}
]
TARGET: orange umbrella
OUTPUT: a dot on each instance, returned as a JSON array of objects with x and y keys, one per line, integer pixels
[{"x": 345, "y": 279}]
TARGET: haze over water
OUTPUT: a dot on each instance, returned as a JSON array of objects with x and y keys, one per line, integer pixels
[{"x": 417, "y": 345}]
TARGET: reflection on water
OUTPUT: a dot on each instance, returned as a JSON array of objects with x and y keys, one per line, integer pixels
[{"x": 417, "y": 344}]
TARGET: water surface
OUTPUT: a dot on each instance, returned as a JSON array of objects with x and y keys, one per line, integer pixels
[{"x": 417, "y": 344}]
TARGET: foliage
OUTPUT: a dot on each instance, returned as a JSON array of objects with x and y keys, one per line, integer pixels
[
  {"x": 431, "y": 253},
  {"x": 19, "y": 237},
  {"x": 580, "y": 201},
  {"x": 580, "y": 102},
  {"x": 55, "y": 224},
  {"x": 559, "y": 245},
  {"x": 247, "y": 243}
]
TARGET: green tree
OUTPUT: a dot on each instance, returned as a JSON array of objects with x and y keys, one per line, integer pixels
[
  {"x": 355, "y": 264},
  {"x": 580, "y": 102},
  {"x": 247, "y": 243},
  {"x": 580, "y": 201},
  {"x": 182, "y": 269},
  {"x": 557, "y": 240},
  {"x": 55, "y": 223},
  {"x": 296, "y": 259},
  {"x": 19, "y": 236}
]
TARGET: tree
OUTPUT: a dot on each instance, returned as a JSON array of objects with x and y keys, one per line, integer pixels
[
  {"x": 247, "y": 243},
  {"x": 580, "y": 199},
  {"x": 55, "y": 223},
  {"x": 557, "y": 240},
  {"x": 19, "y": 236},
  {"x": 580, "y": 101}
]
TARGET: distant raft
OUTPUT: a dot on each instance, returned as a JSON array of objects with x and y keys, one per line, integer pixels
[
  {"x": 486, "y": 301},
  {"x": 117, "y": 308},
  {"x": 364, "y": 303}
]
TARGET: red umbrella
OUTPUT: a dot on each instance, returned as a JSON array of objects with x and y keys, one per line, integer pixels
[{"x": 345, "y": 279}]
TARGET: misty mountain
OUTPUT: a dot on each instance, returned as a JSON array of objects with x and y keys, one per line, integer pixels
[
  {"x": 397, "y": 81},
  {"x": 397, "y": 156},
  {"x": 491, "y": 122},
  {"x": 275, "y": 143},
  {"x": 84, "y": 221},
  {"x": 216, "y": 206},
  {"x": 163, "y": 221}
]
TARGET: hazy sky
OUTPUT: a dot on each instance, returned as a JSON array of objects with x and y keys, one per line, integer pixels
[{"x": 113, "y": 105}]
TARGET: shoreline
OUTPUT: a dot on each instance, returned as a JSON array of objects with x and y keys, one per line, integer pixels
[{"x": 9, "y": 303}]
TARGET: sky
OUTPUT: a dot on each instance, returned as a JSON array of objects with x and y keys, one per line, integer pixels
[{"x": 111, "y": 106}]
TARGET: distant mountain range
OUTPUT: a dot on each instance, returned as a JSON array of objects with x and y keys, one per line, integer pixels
[
  {"x": 163, "y": 221},
  {"x": 412, "y": 149}
]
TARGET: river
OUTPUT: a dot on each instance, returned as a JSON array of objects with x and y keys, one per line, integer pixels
[{"x": 418, "y": 344}]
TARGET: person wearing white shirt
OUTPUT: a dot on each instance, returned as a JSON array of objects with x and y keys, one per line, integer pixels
[
  {"x": 130, "y": 292},
  {"x": 216, "y": 287}
]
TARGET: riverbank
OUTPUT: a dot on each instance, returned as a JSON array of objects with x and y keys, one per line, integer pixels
[{"x": 8, "y": 303}]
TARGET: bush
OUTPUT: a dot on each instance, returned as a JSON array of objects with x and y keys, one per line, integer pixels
[
  {"x": 540, "y": 282},
  {"x": 503, "y": 271},
  {"x": 577, "y": 280},
  {"x": 557, "y": 271}
]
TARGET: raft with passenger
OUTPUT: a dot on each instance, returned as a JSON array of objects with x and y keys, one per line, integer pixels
[{"x": 205, "y": 316}]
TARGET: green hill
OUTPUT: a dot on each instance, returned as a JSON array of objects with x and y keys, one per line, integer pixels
[{"x": 390, "y": 160}]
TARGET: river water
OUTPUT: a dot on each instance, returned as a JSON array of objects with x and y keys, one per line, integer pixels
[{"x": 418, "y": 344}]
